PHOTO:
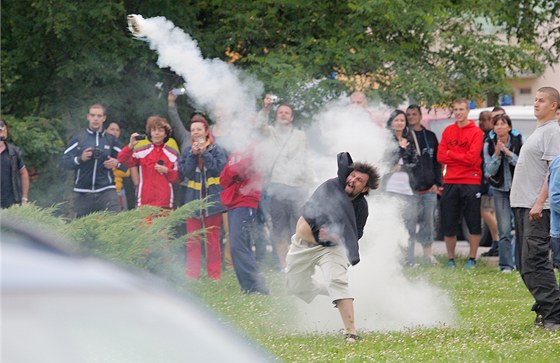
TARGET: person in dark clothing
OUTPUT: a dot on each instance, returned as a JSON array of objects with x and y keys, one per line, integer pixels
[
  {"x": 327, "y": 235},
  {"x": 402, "y": 157},
  {"x": 13, "y": 173},
  {"x": 92, "y": 154},
  {"x": 426, "y": 179},
  {"x": 501, "y": 152}
]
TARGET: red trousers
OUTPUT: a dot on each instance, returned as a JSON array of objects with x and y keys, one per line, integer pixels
[{"x": 212, "y": 246}]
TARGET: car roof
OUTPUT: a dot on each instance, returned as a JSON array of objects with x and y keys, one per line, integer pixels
[{"x": 69, "y": 305}]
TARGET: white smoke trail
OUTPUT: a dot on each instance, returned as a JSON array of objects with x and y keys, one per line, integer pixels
[
  {"x": 384, "y": 298},
  {"x": 213, "y": 84}
]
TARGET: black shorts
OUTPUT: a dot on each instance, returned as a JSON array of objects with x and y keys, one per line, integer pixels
[{"x": 460, "y": 200}]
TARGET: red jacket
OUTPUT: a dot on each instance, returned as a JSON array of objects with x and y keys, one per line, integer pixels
[
  {"x": 241, "y": 181},
  {"x": 154, "y": 188},
  {"x": 460, "y": 150}
]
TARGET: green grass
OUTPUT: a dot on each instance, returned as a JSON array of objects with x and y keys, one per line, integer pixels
[{"x": 494, "y": 324}]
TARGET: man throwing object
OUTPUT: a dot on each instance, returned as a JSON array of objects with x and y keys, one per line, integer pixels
[{"x": 327, "y": 235}]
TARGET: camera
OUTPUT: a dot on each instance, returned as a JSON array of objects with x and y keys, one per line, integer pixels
[
  {"x": 96, "y": 153},
  {"x": 179, "y": 91},
  {"x": 274, "y": 98},
  {"x": 141, "y": 137}
]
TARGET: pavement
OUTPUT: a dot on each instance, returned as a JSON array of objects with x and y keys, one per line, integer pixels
[{"x": 462, "y": 249}]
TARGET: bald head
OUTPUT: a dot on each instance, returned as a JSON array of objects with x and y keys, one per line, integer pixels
[{"x": 359, "y": 99}]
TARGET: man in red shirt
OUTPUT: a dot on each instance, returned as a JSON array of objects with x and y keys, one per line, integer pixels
[{"x": 460, "y": 153}]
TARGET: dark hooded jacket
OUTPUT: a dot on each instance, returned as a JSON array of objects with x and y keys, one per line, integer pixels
[{"x": 330, "y": 205}]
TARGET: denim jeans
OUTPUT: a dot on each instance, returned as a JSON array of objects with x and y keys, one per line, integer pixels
[
  {"x": 555, "y": 246},
  {"x": 426, "y": 206},
  {"x": 503, "y": 217},
  {"x": 241, "y": 233},
  {"x": 409, "y": 215}
]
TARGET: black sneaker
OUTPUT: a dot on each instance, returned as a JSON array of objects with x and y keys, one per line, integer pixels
[
  {"x": 491, "y": 253},
  {"x": 352, "y": 338},
  {"x": 539, "y": 321}
]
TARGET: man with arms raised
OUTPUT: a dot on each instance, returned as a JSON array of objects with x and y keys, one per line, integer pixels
[
  {"x": 532, "y": 209},
  {"x": 327, "y": 234}
]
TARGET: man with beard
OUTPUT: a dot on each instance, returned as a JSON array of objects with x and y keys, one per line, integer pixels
[{"x": 327, "y": 235}]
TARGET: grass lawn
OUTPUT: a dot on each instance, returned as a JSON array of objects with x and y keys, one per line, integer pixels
[{"x": 494, "y": 324}]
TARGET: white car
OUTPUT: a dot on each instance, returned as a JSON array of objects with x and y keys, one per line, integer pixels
[
  {"x": 522, "y": 119},
  {"x": 59, "y": 306}
]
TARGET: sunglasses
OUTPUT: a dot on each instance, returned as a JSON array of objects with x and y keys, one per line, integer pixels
[{"x": 203, "y": 114}]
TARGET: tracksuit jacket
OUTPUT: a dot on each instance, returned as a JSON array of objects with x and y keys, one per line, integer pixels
[
  {"x": 154, "y": 189},
  {"x": 91, "y": 176},
  {"x": 203, "y": 175}
]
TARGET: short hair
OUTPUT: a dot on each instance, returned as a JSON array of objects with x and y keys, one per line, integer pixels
[
  {"x": 498, "y": 108},
  {"x": 552, "y": 94},
  {"x": 485, "y": 115},
  {"x": 98, "y": 105},
  {"x": 156, "y": 122},
  {"x": 462, "y": 100},
  {"x": 370, "y": 170},
  {"x": 201, "y": 114},
  {"x": 287, "y": 105},
  {"x": 502, "y": 117},
  {"x": 415, "y": 107}
]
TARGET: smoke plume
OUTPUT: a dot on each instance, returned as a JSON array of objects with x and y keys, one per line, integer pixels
[{"x": 384, "y": 298}]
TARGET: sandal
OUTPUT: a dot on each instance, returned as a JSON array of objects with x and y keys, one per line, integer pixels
[{"x": 352, "y": 338}]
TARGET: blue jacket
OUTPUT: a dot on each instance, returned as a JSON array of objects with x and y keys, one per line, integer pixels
[
  {"x": 554, "y": 196},
  {"x": 203, "y": 176},
  {"x": 91, "y": 176}
]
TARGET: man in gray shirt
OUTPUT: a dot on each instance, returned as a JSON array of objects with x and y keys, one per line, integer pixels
[{"x": 532, "y": 210}]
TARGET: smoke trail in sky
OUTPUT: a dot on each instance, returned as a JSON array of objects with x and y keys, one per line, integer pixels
[
  {"x": 384, "y": 298},
  {"x": 213, "y": 84}
]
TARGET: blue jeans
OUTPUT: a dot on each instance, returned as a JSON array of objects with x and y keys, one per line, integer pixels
[
  {"x": 426, "y": 206},
  {"x": 409, "y": 218},
  {"x": 241, "y": 234},
  {"x": 503, "y": 217},
  {"x": 555, "y": 246}
]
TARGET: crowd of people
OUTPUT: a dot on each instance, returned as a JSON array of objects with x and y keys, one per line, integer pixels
[{"x": 487, "y": 171}]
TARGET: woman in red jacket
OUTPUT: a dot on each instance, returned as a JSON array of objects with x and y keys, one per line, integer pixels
[{"x": 156, "y": 158}]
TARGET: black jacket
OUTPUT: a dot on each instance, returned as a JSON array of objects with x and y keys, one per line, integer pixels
[
  {"x": 427, "y": 171},
  {"x": 497, "y": 180},
  {"x": 16, "y": 158},
  {"x": 330, "y": 205},
  {"x": 91, "y": 176}
]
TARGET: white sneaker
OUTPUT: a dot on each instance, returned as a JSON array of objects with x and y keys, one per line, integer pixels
[
  {"x": 507, "y": 271},
  {"x": 432, "y": 260}
]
